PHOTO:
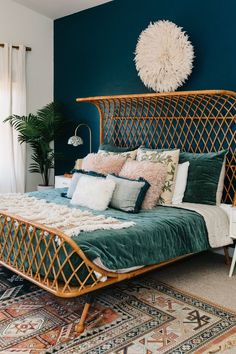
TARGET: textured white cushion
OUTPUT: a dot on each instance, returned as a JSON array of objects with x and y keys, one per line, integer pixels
[
  {"x": 180, "y": 183},
  {"x": 93, "y": 192}
]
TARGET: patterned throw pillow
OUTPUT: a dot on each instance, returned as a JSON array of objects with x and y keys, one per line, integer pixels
[
  {"x": 153, "y": 173},
  {"x": 168, "y": 158},
  {"x": 128, "y": 154}
]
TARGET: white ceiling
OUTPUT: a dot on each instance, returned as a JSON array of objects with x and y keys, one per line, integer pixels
[{"x": 59, "y": 8}]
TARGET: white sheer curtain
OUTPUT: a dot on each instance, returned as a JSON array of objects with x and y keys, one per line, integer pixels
[{"x": 12, "y": 101}]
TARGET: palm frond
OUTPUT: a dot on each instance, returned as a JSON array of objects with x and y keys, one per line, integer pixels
[
  {"x": 51, "y": 120},
  {"x": 39, "y": 130}
]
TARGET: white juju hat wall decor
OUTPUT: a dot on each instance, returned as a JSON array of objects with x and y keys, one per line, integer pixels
[{"x": 164, "y": 56}]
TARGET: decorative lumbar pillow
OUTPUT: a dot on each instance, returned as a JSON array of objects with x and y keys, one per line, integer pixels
[
  {"x": 203, "y": 176},
  {"x": 77, "y": 174},
  {"x": 105, "y": 164},
  {"x": 128, "y": 194},
  {"x": 153, "y": 173},
  {"x": 169, "y": 158},
  {"x": 93, "y": 192},
  {"x": 180, "y": 183}
]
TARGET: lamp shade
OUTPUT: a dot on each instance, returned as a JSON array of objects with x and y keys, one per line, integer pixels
[{"x": 75, "y": 140}]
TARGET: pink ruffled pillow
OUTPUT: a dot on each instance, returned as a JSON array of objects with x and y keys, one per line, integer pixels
[
  {"x": 154, "y": 173},
  {"x": 105, "y": 164}
]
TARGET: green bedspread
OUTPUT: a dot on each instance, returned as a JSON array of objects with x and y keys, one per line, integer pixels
[{"x": 159, "y": 234}]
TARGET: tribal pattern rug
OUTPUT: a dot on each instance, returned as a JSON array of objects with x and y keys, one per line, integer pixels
[{"x": 142, "y": 316}]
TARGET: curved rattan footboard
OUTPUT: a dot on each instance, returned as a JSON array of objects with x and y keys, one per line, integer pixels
[{"x": 41, "y": 255}]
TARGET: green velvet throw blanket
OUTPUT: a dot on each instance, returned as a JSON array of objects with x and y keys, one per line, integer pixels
[{"x": 158, "y": 235}]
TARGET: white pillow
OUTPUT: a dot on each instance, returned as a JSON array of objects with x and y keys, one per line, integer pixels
[
  {"x": 220, "y": 187},
  {"x": 180, "y": 183},
  {"x": 93, "y": 192}
]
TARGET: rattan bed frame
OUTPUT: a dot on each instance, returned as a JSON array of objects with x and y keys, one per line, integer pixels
[{"x": 198, "y": 121}]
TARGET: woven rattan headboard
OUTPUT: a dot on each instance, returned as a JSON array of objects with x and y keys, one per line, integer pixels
[{"x": 195, "y": 121}]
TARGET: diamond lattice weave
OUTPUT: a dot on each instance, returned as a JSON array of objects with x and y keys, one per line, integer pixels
[{"x": 197, "y": 122}]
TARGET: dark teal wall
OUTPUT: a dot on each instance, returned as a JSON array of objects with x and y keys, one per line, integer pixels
[{"x": 94, "y": 55}]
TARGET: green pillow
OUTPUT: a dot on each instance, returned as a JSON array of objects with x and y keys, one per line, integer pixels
[
  {"x": 117, "y": 149},
  {"x": 203, "y": 176}
]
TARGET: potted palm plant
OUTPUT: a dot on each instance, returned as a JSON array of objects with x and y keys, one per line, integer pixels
[{"x": 39, "y": 131}]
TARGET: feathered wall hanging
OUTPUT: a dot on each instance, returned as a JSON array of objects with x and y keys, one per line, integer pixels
[{"x": 164, "y": 56}]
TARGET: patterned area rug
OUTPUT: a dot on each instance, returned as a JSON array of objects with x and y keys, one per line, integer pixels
[{"x": 137, "y": 317}]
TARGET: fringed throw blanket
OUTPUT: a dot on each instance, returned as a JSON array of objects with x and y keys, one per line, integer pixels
[{"x": 71, "y": 221}]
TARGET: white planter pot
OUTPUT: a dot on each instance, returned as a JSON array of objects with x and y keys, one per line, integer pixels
[{"x": 44, "y": 188}]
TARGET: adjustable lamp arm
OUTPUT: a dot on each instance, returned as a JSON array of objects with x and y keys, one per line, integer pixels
[{"x": 90, "y": 134}]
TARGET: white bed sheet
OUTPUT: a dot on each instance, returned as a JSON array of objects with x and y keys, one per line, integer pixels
[{"x": 216, "y": 219}]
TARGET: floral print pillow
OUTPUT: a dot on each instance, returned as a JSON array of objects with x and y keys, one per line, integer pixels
[
  {"x": 170, "y": 158},
  {"x": 128, "y": 154}
]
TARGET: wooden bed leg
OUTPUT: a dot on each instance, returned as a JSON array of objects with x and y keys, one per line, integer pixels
[
  {"x": 88, "y": 302},
  {"x": 227, "y": 258}
]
